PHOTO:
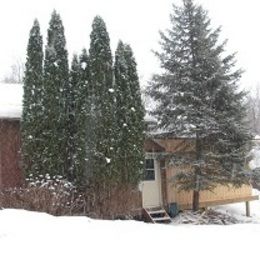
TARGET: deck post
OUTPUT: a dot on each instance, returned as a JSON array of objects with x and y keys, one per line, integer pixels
[{"x": 247, "y": 209}]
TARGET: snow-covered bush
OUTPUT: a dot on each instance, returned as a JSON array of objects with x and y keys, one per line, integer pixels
[
  {"x": 57, "y": 196},
  {"x": 53, "y": 195}
]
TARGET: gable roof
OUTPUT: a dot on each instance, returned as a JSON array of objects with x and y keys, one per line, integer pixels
[
  {"x": 11, "y": 96},
  {"x": 151, "y": 145}
]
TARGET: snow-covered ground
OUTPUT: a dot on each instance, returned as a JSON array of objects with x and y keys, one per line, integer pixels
[{"x": 30, "y": 235}]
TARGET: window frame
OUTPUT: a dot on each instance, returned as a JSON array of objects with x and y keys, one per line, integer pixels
[{"x": 153, "y": 169}]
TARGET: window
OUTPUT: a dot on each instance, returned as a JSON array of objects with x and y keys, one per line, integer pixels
[{"x": 149, "y": 170}]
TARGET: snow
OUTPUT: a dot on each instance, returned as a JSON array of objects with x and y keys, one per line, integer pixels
[
  {"x": 11, "y": 96},
  {"x": 31, "y": 235},
  {"x": 83, "y": 65},
  {"x": 238, "y": 210},
  {"x": 223, "y": 215}
]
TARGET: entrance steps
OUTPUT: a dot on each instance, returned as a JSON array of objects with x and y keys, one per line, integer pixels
[{"x": 156, "y": 215}]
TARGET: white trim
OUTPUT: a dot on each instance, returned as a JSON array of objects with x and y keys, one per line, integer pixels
[{"x": 153, "y": 188}]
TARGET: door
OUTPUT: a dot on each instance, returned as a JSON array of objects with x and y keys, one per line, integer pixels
[{"x": 151, "y": 186}]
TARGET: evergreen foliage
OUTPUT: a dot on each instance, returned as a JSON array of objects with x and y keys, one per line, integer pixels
[
  {"x": 80, "y": 113},
  {"x": 73, "y": 144},
  {"x": 84, "y": 120},
  {"x": 129, "y": 117},
  {"x": 197, "y": 97},
  {"x": 56, "y": 102},
  {"x": 102, "y": 102},
  {"x": 32, "y": 104}
]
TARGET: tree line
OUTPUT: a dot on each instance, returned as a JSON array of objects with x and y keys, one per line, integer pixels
[{"x": 84, "y": 122}]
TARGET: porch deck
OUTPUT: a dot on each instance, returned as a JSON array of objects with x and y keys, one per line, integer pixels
[{"x": 205, "y": 204}]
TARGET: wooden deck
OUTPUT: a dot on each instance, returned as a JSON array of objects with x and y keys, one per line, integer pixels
[{"x": 205, "y": 204}]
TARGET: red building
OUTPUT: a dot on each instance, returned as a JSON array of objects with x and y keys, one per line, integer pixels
[
  {"x": 10, "y": 156},
  {"x": 10, "y": 135}
]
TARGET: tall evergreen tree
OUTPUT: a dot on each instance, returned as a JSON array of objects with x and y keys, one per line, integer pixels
[
  {"x": 55, "y": 103},
  {"x": 32, "y": 104},
  {"x": 103, "y": 101},
  {"x": 72, "y": 123},
  {"x": 84, "y": 119},
  {"x": 198, "y": 97},
  {"x": 129, "y": 117},
  {"x": 79, "y": 80}
]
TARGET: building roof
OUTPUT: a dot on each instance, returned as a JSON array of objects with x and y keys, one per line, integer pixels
[{"x": 11, "y": 96}]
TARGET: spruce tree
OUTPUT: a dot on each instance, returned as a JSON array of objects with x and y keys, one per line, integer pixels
[
  {"x": 197, "y": 97},
  {"x": 32, "y": 104},
  {"x": 129, "y": 117},
  {"x": 55, "y": 103},
  {"x": 103, "y": 102}
]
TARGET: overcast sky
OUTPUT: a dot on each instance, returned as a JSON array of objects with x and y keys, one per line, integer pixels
[{"x": 136, "y": 22}]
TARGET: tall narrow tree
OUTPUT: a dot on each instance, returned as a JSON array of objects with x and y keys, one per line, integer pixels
[
  {"x": 79, "y": 80},
  {"x": 78, "y": 107},
  {"x": 72, "y": 123},
  {"x": 137, "y": 114},
  {"x": 56, "y": 98},
  {"x": 198, "y": 97},
  {"x": 103, "y": 101},
  {"x": 32, "y": 104},
  {"x": 129, "y": 117},
  {"x": 84, "y": 119}
]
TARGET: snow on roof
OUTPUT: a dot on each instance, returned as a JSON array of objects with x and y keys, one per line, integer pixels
[{"x": 11, "y": 96}]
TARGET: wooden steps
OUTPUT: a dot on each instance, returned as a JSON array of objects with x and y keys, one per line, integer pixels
[{"x": 156, "y": 215}]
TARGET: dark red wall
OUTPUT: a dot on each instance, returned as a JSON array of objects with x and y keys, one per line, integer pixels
[{"x": 10, "y": 154}]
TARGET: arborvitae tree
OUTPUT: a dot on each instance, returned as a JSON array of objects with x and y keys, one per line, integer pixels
[
  {"x": 84, "y": 120},
  {"x": 137, "y": 113},
  {"x": 129, "y": 117},
  {"x": 72, "y": 123},
  {"x": 56, "y": 98},
  {"x": 32, "y": 104},
  {"x": 103, "y": 101},
  {"x": 197, "y": 97}
]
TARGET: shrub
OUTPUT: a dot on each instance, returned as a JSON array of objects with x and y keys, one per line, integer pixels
[{"x": 57, "y": 196}]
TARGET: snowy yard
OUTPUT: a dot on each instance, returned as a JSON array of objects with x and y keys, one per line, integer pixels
[{"x": 30, "y": 236}]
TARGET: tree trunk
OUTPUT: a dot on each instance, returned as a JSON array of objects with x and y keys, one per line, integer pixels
[
  {"x": 196, "y": 193},
  {"x": 196, "y": 200}
]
